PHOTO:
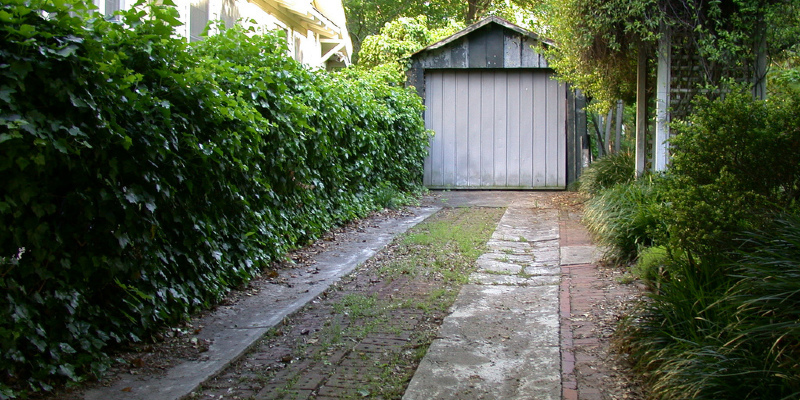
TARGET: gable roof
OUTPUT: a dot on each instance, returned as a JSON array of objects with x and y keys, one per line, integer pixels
[{"x": 480, "y": 24}]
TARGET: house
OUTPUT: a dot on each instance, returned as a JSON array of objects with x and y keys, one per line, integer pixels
[
  {"x": 315, "y": 30},
  {"x": 500, "y": 118}
]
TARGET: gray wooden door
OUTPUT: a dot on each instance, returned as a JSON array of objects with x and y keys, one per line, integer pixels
[{"x": 501, "y": 129}]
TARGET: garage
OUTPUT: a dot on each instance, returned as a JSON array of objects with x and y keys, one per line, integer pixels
[{"x": 500, "y": 119}]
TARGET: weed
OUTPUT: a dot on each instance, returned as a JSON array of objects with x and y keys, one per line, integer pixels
[{"x": 626, "y": 279}]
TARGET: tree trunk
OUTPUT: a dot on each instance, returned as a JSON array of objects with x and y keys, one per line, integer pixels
[
  {"x": 475, "y": 9},
  {"x": 609, "y": 150},
  {"x": 472, "y": 9},
  {"x": 760, "y": 67},
  {"x": 597, "y": 123}
]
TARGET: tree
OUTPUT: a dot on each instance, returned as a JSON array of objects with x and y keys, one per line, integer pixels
[
  {"x": 400, "y": 38},
  {"x": 367, "y": 17}
]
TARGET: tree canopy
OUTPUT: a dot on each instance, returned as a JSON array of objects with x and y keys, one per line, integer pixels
[
  {"x": 367, "y": 17},
  {"x": 598, "y": 41}
]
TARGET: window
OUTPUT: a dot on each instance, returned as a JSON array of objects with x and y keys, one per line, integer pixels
[
  {"x": 109, "y": 7},
  {"x": 198, "y": 19}
]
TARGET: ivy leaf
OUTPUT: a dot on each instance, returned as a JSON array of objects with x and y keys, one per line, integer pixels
[
  {"x": 6, "y": 17},
  {"x": 123, "y": 240},
  {"x": 5, "y": 94},
  {"x": 26, "y": 30},
  {"x": 67, "y": 51}
]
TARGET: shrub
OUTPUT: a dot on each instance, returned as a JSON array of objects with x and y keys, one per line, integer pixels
[
  {"x": 141, "y": 178},
  {"x": 723, "y": 322},
  {"x": 626, "y": 217},
  {"x": 735, "y": 162},
  {"x": 606, "y": 172}
]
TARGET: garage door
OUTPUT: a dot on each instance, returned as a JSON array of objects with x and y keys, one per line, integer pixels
[{"x": 495, "y": 129}]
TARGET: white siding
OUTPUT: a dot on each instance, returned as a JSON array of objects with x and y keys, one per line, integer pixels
[{"x": 495, "y": 129}]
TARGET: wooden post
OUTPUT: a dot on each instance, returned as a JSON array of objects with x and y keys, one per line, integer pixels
[
  {"x": 580, "y": 128},
  {"x": 574, "y": 150},
  {"x": 661, "y": 147},
  {"x": 618, "y": 136},
  {"x": 641, "y": 111},
  {"x": 609, "y": 149}
]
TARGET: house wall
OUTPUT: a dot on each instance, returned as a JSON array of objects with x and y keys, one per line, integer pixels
[{"x": 305, "y": 46}]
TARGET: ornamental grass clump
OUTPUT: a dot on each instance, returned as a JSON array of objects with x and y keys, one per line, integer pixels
[
  {"x": 608, "y": 171},
  {"x": 726, "y": 329},
  {"x": 625, "y": 217}
]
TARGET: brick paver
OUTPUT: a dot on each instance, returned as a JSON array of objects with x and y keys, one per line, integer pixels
[{"x": 586, "y": 359}]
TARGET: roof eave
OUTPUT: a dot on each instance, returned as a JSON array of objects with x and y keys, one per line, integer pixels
[{"x": 480, "y": 24}]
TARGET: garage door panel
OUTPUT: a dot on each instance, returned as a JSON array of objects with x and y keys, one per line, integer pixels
[
  {"x": 500, "y": 130},
  {"x": 540, "y": 145},
  {"x": 561, "y": 163},
  {"x": 433, "y": 163},
  {"x": 488, "y": 139},
  {"x": 512, "y": 130},
  {"x": 495, "y": 129},
  {"x": 450, "y": 128},
  {"x": 525, "y": 126},
  {"x": 552, "y": 140},
  {"x": 473, "y": 155}
]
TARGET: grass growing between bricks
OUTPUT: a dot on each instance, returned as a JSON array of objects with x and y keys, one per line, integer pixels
[{"x": 365, "y": 336}]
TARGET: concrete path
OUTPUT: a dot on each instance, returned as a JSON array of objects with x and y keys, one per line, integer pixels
[
  {"x": 503, "y": 337},
  {"x": 233, "y": 329}
]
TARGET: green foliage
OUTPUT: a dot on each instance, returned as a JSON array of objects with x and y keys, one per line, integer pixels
[
  {"x": 400, "y": 38},
  {"x": 597, "y": 44},
  {"x": 735, "y": 161},
  {"x": 369, "y": 17},
  {"x": 606, "y": 172},
  {"x": 650, "y": 264},
  {"x": 141, "y": 178},
  {"x": 722, "y": 323},
  {"x": 726, "y": 330},
  {"x": 599, "y": 41},
  {"x": 626, "y": 217}
]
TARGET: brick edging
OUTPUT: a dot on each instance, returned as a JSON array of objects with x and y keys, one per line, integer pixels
[{"x": 569, "y": 384}]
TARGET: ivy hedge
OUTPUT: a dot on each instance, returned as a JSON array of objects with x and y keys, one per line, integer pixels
[{"x": 142, "y": 177}]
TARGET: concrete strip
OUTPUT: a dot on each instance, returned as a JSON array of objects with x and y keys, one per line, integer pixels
[
  {"x": 233, "y": 329},
  {"x": 573, "y": 255},
  {"x": 501, "y": 340},
  {"x": 513, "y": 280}
]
